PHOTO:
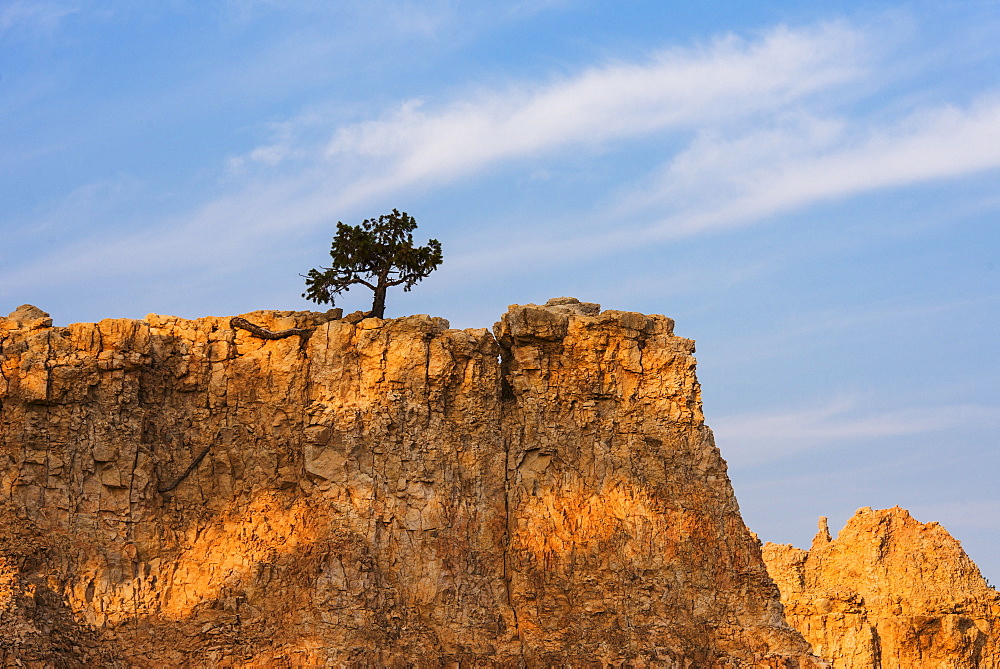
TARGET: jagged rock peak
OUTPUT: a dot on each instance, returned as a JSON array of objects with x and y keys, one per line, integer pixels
[
  {"x": 822, "y": 537},
  {"x": 889, "y": 591}
]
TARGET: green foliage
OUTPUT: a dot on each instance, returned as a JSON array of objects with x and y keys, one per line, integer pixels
[{"x": 378, "y": 254}]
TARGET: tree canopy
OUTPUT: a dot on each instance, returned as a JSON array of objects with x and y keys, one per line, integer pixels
[{"x": 377, "y": 254}]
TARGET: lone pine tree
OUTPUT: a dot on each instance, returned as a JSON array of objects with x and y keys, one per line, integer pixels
[{"x": 378, "y": 254}]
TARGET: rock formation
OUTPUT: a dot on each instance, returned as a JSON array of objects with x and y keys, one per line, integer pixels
[
  {"x": 889, "y": 592},
  {"x": 371, "y": 493}
]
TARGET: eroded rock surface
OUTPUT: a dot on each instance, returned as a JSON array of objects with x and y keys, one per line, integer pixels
[
  {"x": 375, "y": 493},
  {"x": 889, "y": 591}
]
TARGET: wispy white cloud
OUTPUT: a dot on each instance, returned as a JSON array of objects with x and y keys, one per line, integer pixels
[
  {"x": 286, "y": 142},
  {"x": 677, "y": 88},
  {"x": 30, "y": 17},
  {"x": 717, "y": 183},
  {"x": 721, "y": 182},
  {"x": 774, "y": 435},
  {"x": 680, "y": 88}
]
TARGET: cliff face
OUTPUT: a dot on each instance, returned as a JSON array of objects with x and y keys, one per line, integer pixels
[
  {"x": 889, "y": 592},
  {"x": 382, "y": 492},
  {"x": 624, "y": 529}
]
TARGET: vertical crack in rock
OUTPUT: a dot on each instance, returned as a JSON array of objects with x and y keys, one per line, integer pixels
[
  {"x": 506, "y": 400},
  {"x": 48, "y": 365}
]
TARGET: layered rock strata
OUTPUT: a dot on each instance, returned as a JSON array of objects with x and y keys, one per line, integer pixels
[
  {"x": 889, "y": 592},
  {"x": 371, "y": 493}
]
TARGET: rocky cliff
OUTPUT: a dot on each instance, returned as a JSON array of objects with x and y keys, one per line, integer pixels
[
  {"x": 889, "y": 592},
  {"x": 371, "y": 493}
]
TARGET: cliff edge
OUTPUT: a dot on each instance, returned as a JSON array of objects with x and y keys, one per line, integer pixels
[{"x": 380, "y": 492}]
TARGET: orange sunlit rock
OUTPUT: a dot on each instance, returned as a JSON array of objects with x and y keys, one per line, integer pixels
[
  {"x": 369, "y": 492},
  {"x": 889, "y": 591}
]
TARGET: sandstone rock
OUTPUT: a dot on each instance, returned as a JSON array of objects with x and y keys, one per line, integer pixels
[
  {"x": 379, "y": 493},
  {"x": 27, "y": 316},
  {"x": 888, "y": 592},
  {"x": 571, "y": 305},
  {"x": 625, "y": 539}
]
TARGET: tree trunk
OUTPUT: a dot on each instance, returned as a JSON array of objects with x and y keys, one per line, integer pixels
[{"x": 378, "y": 306}]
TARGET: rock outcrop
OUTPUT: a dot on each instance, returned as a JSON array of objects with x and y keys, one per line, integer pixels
[
  {"x": 889, "y": 592},
  {"x": 371, "y": 493}
]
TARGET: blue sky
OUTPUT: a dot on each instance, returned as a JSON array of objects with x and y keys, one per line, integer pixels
[{"x": 809, "y": 189}]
